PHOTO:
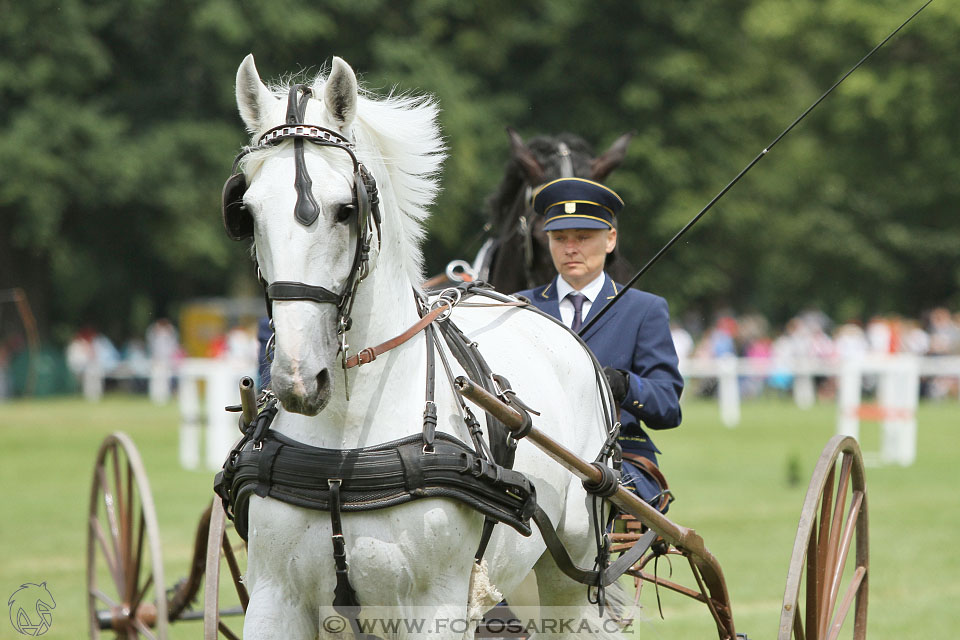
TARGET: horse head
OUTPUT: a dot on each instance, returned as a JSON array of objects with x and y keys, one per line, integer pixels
[
  {"x": 523, "y": 257},
  {"x": 302, "y": 196},
  {"x": 312, "y": 207}
]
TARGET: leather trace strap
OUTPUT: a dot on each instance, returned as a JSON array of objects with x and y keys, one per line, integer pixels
[
  {"x": 604, "y": 576},
  {"x": 370, "y": 353},
  {"x": 665, "y": 497},
  {"x": 299, "y": 291},
  {"x": 444, "y": 306}
]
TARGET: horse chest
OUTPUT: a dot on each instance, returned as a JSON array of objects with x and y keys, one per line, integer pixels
[{"x": 388, "y": 556}]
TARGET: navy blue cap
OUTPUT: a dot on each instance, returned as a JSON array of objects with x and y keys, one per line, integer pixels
[{"x": 576, "y": 203}]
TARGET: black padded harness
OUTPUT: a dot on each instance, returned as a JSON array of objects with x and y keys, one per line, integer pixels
[
  {"x": 428, "y": 464},
  {"x": 375, "y": 477}
]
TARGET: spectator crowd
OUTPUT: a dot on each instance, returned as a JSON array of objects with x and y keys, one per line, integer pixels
[{"x": 813, "y": 336}]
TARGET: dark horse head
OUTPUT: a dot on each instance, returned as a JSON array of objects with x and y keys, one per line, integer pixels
[{"x": 519, "y": 257}]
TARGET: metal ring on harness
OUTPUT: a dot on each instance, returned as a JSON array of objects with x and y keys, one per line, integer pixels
[
  {"x": 449, "y": 297},
  {"x": 460, "y": 271}
]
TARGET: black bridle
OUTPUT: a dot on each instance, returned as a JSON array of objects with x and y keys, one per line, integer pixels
[{"x": 239, "y": 223}]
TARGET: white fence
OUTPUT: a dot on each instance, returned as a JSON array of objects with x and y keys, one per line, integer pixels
[
  {"x": 897, "y": 383},
  {"x": 205, "y": 387}
]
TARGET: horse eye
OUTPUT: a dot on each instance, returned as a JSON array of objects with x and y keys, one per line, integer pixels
[{"x": 345, "y": 212}]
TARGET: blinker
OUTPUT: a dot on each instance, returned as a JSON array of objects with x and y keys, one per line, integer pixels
[{"x": 237, "y": 221}]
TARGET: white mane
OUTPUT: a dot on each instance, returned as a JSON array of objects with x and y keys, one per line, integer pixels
[{"x": 398, "y": 139}]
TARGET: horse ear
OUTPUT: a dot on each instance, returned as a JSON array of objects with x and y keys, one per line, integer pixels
[
  {"x": 602, "y": 165},
  {"x": 253, "y": 97},
  {"x": 522, "y": 154},
  {"x": 340, "y": 94}
]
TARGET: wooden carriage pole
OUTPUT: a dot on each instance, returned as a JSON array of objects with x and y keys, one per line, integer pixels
[
  {"x": 704, "y": 564},
  {"x": 248, "y": 400}
]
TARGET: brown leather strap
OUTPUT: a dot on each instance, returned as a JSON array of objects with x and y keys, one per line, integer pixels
[
  {"x": 518, "y": 303},
  {"x": 653, "y": 470},
  {"x": 370, "y": 353}
]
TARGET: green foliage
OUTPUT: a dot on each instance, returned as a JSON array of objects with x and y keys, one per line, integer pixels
[{"x": 118, "y": 125}]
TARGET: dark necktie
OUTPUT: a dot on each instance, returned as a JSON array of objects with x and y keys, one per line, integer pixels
[{"x": 577, "y": 299}]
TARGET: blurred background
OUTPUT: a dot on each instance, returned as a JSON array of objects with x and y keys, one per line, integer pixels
[{"x": 118, "y": 126}]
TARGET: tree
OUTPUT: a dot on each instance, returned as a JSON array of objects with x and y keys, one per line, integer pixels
[{"x": 119, "y": 124}]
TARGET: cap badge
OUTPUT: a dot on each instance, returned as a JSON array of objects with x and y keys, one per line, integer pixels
[{"x": 570, "y": 207}]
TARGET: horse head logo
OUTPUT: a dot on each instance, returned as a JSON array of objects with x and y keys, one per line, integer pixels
[{"x": 30, "y": 607}]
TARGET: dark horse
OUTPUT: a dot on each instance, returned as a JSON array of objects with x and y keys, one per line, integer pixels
[{"x": 517, "y": 255}]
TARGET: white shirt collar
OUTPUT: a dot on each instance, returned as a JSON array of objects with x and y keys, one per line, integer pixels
[{"x": 591, "y": 291}]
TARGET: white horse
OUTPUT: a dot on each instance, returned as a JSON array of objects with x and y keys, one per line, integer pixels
[{"x": 421, "y": 553}]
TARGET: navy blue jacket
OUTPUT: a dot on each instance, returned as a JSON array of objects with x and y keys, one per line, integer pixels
[{"x": 634, "y": 335}]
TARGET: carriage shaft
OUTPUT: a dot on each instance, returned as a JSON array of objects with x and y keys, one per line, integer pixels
[
  {"x": 248, "y": 400},
  {"x": 684, "y": 539}
]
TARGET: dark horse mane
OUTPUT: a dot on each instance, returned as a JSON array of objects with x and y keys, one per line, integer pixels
[{"x": 520, "y": 257}]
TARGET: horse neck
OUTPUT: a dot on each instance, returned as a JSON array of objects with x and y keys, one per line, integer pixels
[{"x": 385, "y": 306}]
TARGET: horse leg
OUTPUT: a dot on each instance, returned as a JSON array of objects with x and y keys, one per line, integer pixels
[
  {"x": 565, "y": 609},
  {"x": 270, "y": 615},
  {"x": 281, "y": 582}
]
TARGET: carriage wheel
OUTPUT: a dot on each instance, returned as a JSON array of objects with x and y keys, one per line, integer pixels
[
  {"x": 224, "y": 546},
  {"x": 828, "y": 531},
  {"x": 125, "y": 591}
]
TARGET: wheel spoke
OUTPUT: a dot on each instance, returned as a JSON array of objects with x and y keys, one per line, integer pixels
[
  {"x": 123, "y": 534},
  {"x": 143, "y": 592},
  {"x": 843, "y": 551},
  {"x": 100, "y": 595},
  {"x": 832, "y": 543},
  {"x": 107, "y": 553},
  {"x": 848, "y": 597},
  {"x": 139, "y": 557},
  {"x": 225, "y": 630},
  {"x": 142, "y": 628},
  {"x": 235, "y": 572},
  {"x": 128, "y": 524},
  {"x": 836, "y": 522},
  {"x": 815, "y": 625},
  {"x": 108, "y": 502}
]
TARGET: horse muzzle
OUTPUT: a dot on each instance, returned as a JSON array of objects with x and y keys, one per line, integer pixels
[{"x": 301, "y": 374}]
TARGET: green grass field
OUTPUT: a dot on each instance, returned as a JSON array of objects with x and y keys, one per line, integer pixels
[{"x": 732, "y": 485}]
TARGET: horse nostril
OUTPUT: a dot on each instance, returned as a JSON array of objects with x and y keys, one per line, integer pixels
[{"x": 323, "y": 383}]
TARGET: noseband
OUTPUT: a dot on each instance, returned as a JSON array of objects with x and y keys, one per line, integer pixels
[{"x": 238, "y": 221}]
